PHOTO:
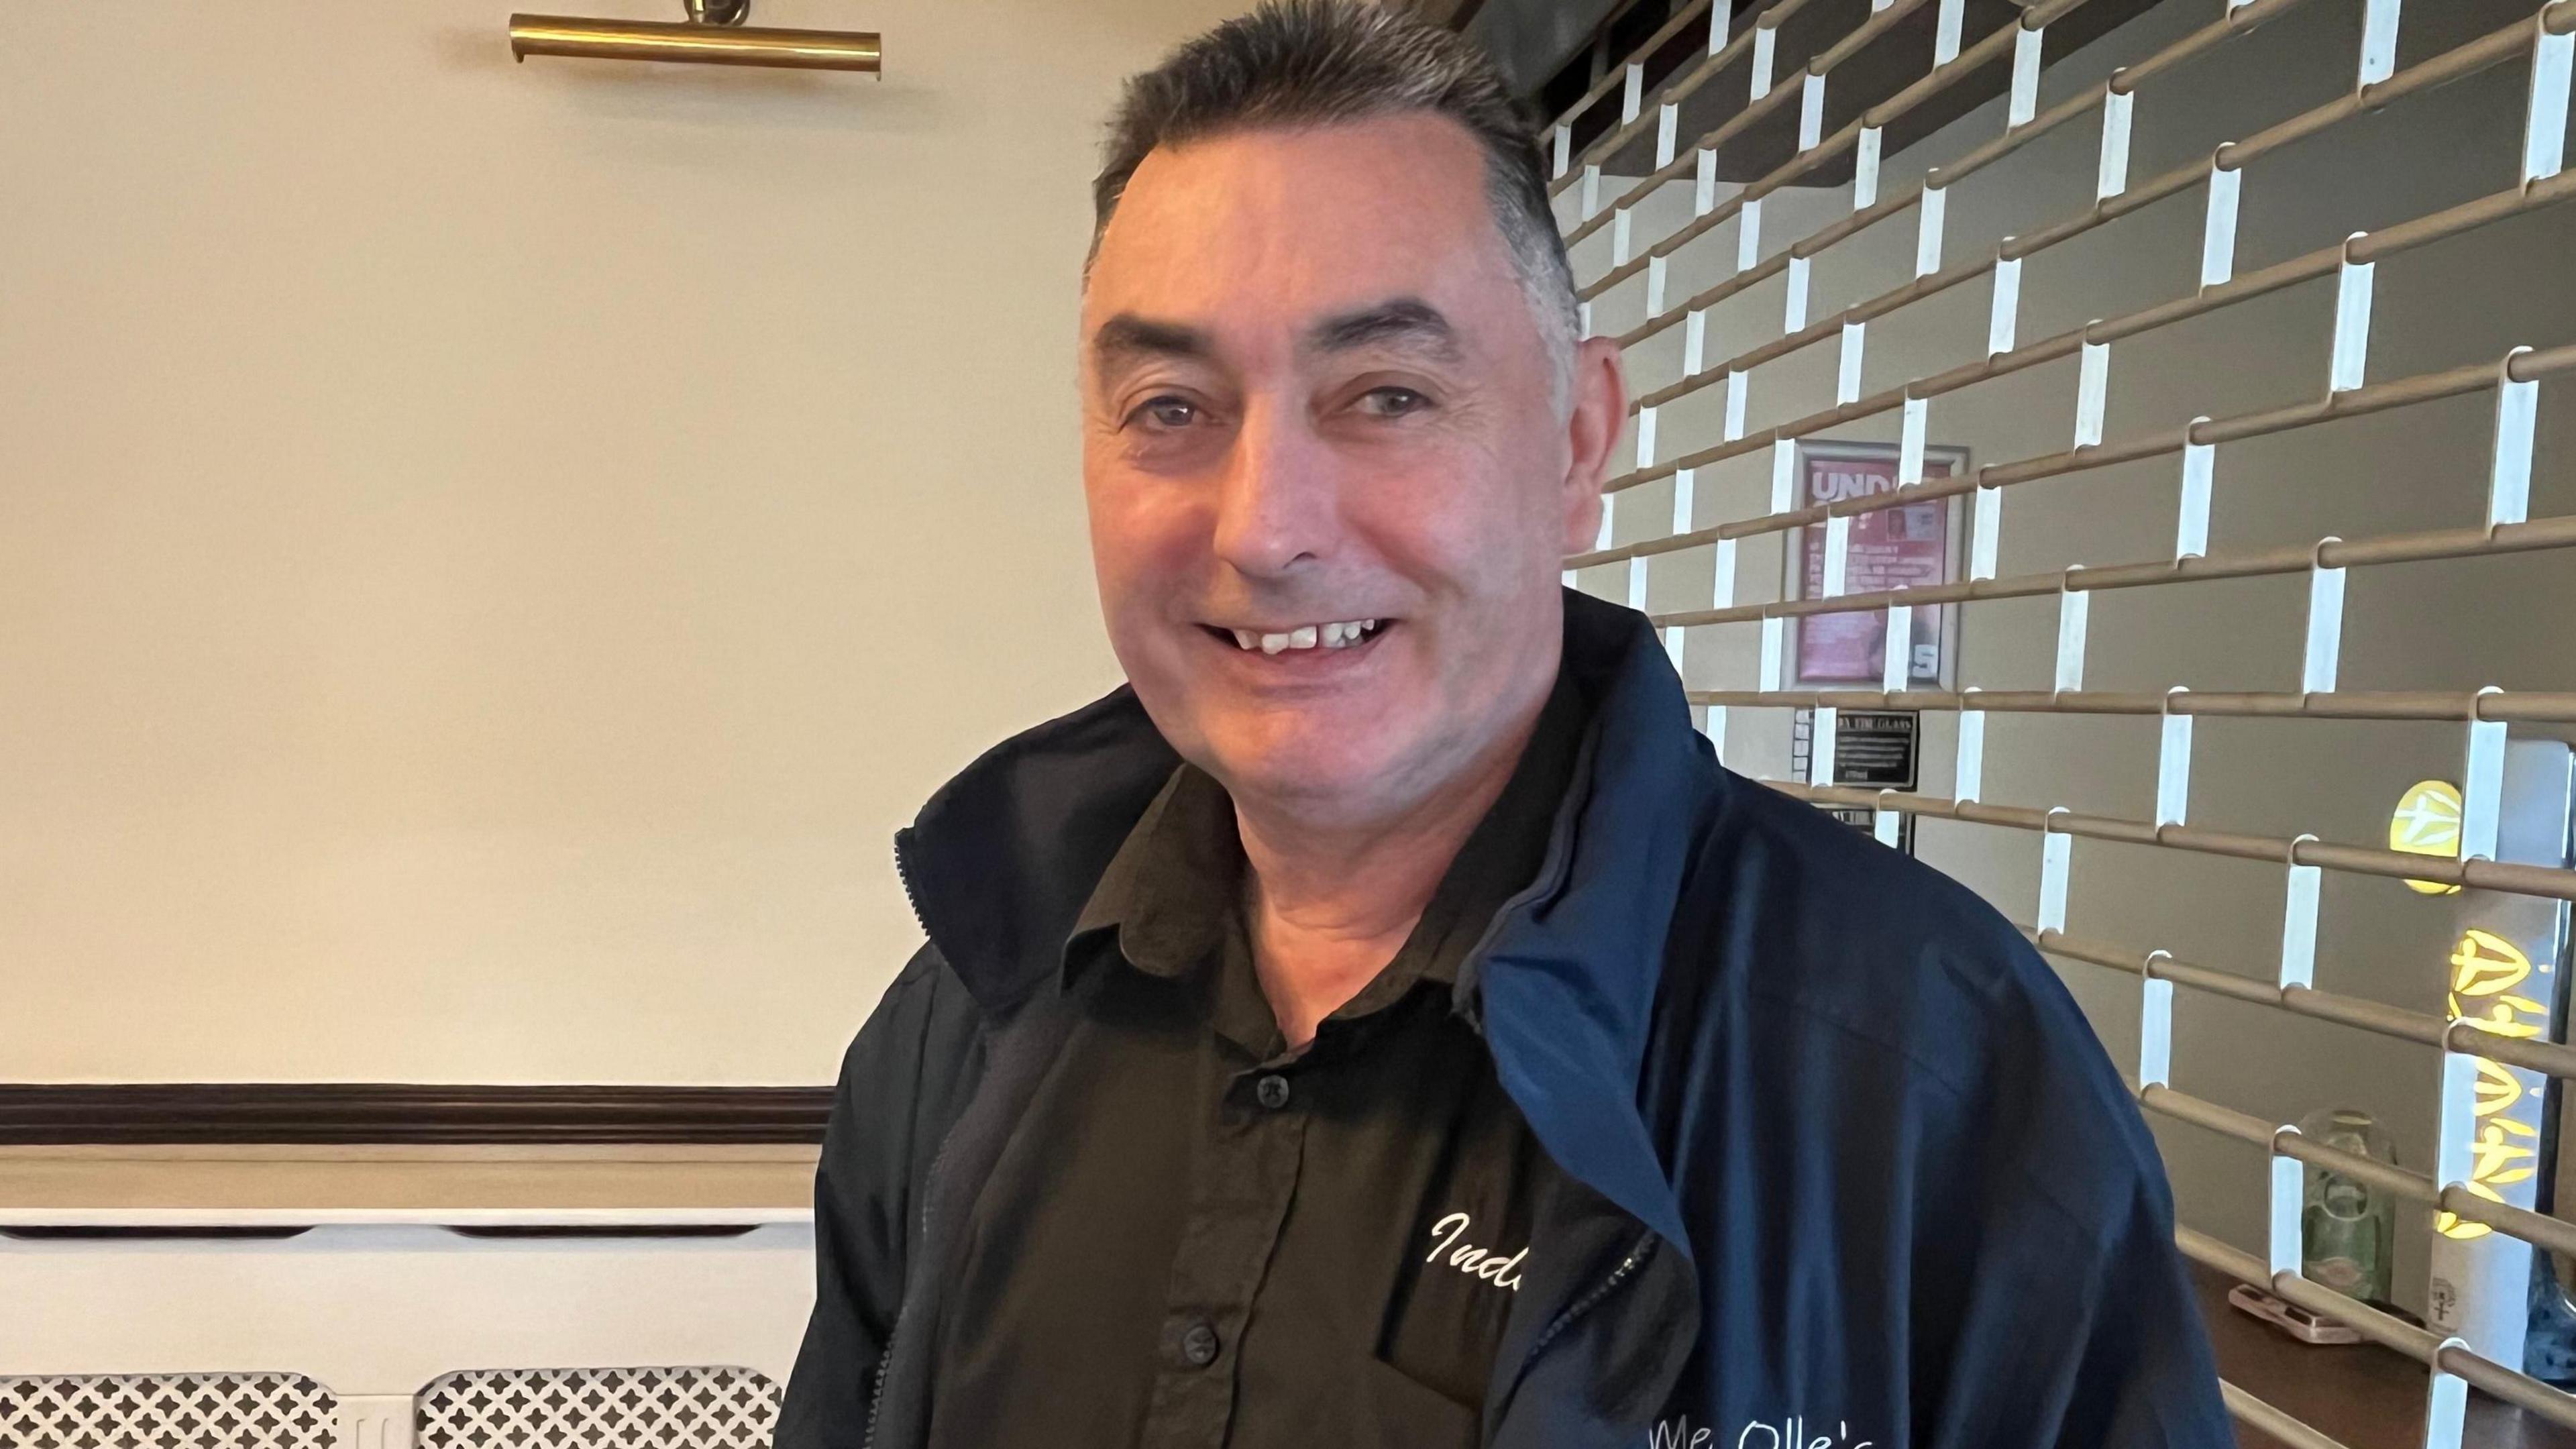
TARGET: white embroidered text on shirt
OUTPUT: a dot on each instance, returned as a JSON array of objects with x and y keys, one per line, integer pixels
[{"x": 1448, "y": 1240}]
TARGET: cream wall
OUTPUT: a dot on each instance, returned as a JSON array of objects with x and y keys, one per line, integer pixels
[
  {"x": 2458, "y": 625},
  {"x": 380, "y": 1311},
  {"x": 490, "y": 553}
]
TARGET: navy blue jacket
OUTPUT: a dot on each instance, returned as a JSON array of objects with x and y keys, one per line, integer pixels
[{"x": 1859, "y": 1172}]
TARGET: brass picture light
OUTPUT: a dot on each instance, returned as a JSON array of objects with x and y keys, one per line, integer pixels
[{"x": 712, "y": 35}]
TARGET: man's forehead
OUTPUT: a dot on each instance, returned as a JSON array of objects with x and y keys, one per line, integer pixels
[
  {"x": 1295, "y": 227},
  {"x": 1407, "y": 324}
]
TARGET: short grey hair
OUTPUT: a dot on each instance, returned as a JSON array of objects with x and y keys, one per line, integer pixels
[{"x": 1296, "y": 63}]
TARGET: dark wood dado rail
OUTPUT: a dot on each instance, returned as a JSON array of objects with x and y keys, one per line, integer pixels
[{"x": 319, "y": 1113}]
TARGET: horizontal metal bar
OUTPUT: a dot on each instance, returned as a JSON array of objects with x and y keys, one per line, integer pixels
[
  {"x": 1611, "y": 78},
  {"x": 2239, "y": 21},
  {"x": 582, "y": 38},
  {"x": 1995, "y": 44},
  {"x": 2446, "y": 543},
  {"x": 2265, "y": 1419},
  {"x": 2245, "y": 1127},
  {"x": 2524, "y": 707},
  {"x": 2369, "y": 246},
  {"x": 2216, "y": 982},
  {"x": 1680, "y": 89},
  {"x": 1932, "y": 83},
  {"x": 2136, "y": 196},
  {"x": 2494, "y": 48},
  {"x": 2548, "y": 1058},
  {"x": 2414, "y": 1026},
  {"x": 2413, "y": 1186},
  {"x": 1928, "y": 285},
  {"x": 2476, "y": 874},
  {"x": 1988, "y": 48},
  {"x": 2235, "y": 1262},
  {"x": 2497, "y": 46},
  {"x": 2535, "y": 365},
  {"x": 2494, "y": 1378},
  {"x": 2385, "y": 1329},
  {"x": 1817, "y": 241},
  {"x": 1686, "y": 161},
  {"x": 2350, "y": 402},
  {"x": 2390, "y": 1332},
  {"x": 2555, "y": 1234},
  {"x": 2558, "y": 16}
]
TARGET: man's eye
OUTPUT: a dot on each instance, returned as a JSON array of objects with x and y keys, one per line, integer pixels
[
  {"x": 1167, "y": 412},
  {"x": 1392, "y": 402}
]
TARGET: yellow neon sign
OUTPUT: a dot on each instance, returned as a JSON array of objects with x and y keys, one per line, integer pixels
[
  {"x": 2485, "y": 970},
  {"x": 2427, "y": 822}
]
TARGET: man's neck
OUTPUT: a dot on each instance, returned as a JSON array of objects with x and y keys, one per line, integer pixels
[{"x": 1328, "y": 903}]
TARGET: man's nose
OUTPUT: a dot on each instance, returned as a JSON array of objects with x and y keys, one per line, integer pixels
[{"x": 1277, "y": 506}]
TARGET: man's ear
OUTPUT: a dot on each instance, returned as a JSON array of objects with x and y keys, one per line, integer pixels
[{"x": 1597, "y": 414}]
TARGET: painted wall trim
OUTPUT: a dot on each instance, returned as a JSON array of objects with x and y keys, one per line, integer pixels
[{"x": 40, "y": 1114}]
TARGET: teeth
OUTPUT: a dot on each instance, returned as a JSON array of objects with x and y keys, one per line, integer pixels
[{"x": 1339, "y": 635}]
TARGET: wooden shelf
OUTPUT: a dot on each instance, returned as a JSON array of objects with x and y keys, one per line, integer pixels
[{"x": 2367, "y": 1396}]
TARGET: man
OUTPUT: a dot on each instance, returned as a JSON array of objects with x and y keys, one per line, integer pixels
[{"x": 1383, "y": 1023}]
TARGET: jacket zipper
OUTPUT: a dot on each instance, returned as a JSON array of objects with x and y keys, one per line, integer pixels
[
  {"x": 894, "y": 1335},
  {"x": 870, "y": 1437},
  {"x": 903, "y": 874},
  {"x": 1591, "y": 1299}
]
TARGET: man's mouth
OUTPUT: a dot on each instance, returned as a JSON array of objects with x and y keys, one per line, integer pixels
[{"x": 1337, "y": 635}]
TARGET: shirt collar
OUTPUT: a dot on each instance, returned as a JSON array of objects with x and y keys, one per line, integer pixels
[
  {"x": 1172, "y": 891},
  {"x": 1500, "y": 856},
  {"x": 1169, "y": 891}
]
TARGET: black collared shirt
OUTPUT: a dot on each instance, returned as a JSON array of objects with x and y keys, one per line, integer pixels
[{"x": 1196, "y": 1238}]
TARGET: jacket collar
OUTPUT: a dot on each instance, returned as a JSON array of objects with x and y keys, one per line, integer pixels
[
  {"x": 1565, "y": 983},
  {"x": 1002, "y": 859}
]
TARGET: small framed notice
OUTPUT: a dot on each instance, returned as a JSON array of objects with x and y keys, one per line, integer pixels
[
  {"x": 1879, "y": 749},
  {"x": 1910, "y": 545}
]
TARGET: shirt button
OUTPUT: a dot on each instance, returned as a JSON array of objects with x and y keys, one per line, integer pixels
[
  {"x": 1271, "y": 1091},
  {"x": 1199, "y": 1345}
]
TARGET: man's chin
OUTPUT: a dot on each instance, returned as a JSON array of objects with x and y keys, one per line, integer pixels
[{"x": 1325, "y": 777}]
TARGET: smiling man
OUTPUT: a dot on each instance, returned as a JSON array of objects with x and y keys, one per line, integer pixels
[{"x": 1383, "y": 1022}]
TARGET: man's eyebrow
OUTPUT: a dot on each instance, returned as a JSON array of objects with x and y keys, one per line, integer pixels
[
  {"x": 1406, "y": 320},
  {"x": 1128, "y": 336}
]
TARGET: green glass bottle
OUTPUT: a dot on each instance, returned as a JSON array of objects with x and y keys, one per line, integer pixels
[{"x": 2347, "y": 1225}]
